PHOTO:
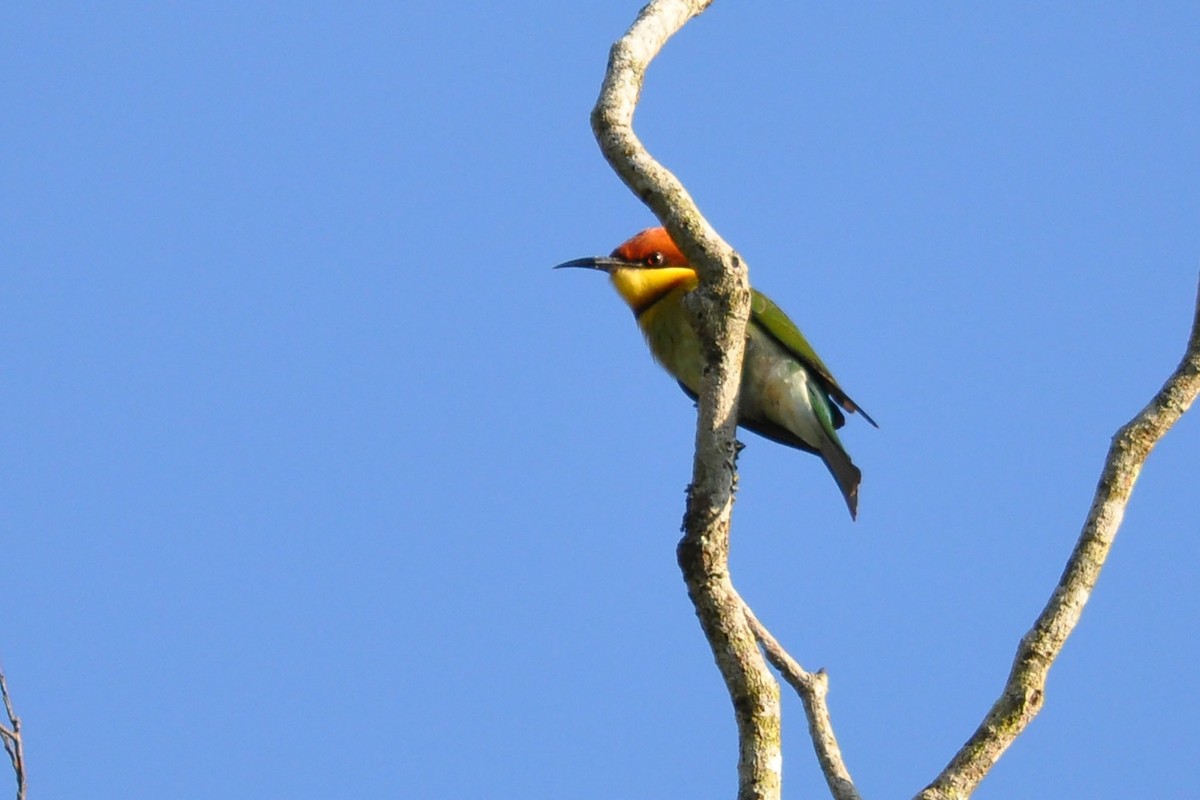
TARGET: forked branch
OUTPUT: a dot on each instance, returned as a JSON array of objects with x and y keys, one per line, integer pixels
[
  {"x": 718, "y": 309},
  {"x": 11, "y": 735},
  {"x": 812, "y": 688}
]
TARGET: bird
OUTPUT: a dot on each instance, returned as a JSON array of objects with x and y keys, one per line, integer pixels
[{"x": 788, "y": 395}]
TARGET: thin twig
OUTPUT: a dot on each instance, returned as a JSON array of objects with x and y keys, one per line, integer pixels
[
  {"x": 812, "y": 688},
  {"x": 11, "y": 735},
  {"x": 1024, "y": 692},
  {"x": 718, "y": 309}
]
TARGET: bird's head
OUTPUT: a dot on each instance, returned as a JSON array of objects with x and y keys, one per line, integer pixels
[{"x": 643, "y": 269}]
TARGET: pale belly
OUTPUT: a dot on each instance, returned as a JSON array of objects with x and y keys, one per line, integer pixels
[{"x": 774, "y": 384}]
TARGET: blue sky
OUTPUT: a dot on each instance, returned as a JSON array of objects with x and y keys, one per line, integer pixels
[{"x": 319, "y": 482}]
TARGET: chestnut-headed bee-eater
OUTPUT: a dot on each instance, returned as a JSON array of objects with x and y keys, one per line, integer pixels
[{"x": 787, "y": 393}]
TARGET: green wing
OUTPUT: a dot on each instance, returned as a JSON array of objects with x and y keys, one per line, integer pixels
[{"x": 771, "y": 319}]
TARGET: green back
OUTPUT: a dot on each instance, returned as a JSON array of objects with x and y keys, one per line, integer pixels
[{"x": 772, "y": 319}]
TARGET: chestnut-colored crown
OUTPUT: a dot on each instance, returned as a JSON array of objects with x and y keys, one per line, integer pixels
[{"x": 644, "y": 245}]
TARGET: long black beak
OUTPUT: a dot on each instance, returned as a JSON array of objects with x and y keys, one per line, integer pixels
[{"x": 602, "y": 263}]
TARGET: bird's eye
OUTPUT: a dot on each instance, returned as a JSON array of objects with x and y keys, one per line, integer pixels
[{"x": 655, "y": 259}]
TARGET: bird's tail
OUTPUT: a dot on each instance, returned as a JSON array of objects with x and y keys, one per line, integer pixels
[{"x": 843, "y": 470}]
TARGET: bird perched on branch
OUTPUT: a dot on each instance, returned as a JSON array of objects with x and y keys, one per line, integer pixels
[{"x": 787, "y": 393}]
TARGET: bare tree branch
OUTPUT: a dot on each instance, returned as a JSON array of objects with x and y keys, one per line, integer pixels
[
  {"x": 1023, "y": 694},
  {"x": 718, "y": 309},
  {"x": 812, "y": 688},
  {"x": 11, "y": 735}
]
